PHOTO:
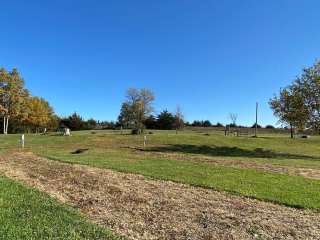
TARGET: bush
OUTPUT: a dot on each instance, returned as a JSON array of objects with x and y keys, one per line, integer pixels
[
  {"x": 137, "y": 131},
  {"x": 134, "y": 131},
  {"x": 270, "y": 127},
  {"x": 218, "y": 125},
  {"x": 254, "y": 125}
]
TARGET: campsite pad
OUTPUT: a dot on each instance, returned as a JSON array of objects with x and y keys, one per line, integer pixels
[{"x": 140, "y": 208}]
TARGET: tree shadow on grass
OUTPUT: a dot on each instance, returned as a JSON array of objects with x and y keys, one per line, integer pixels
[{"x": 226, "y": 151}]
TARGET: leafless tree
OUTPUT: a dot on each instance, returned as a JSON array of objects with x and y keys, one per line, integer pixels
[
  {"x": 233, "y": 117},
  {"x": 179, "y": 119}
]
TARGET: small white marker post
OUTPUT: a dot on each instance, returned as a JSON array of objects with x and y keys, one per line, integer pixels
[
  {"x": 144, "y": 141},
  {"x": 22, "y": 140}
]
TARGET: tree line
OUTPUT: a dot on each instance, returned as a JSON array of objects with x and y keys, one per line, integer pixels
[
  {"x": 137, "y": 113},
  {"x": 22, "y": 112},
  {"x": 297, "y": 107},
  {"x": 165, "y": 120},
  {"x": 75, "y": 123}
]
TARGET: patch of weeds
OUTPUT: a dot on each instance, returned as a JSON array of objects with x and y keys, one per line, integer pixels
[{"x": 253, "y": 232}]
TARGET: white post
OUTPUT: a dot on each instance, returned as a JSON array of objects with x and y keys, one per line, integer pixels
[
  {"x": 22, "y": 140},
  {"x": 7, "y": 125},
  {"x": 144, "y": 141}
]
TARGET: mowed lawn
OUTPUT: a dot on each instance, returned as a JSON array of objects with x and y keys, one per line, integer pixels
[
  {"x": 29, "y": 214},
  {"x": 110, "y": 149}
]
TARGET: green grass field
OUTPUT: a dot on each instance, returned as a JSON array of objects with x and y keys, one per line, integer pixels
[
  {"x": 28, "y": 214},
  {"x": 177, "y": 157}
]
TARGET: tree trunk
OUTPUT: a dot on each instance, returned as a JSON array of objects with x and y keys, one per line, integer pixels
[
  {"x": 291, "y": 130},
  {"x": 4, "y": 125}
]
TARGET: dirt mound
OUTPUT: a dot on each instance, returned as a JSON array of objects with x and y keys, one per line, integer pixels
[{"x": 140, "y": 208}]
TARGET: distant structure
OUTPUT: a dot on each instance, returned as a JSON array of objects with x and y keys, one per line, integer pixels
[{"x": 66, "y": 132}]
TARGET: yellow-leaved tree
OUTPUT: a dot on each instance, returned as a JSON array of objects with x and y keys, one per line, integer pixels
[
  {"x": 40, "y": 113},
  {"x": 13, "y": 96}
]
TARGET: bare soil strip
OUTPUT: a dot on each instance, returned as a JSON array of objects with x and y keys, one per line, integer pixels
[
  {"x": 140, "y": 208},
  {"x": 294, "y": 171}
]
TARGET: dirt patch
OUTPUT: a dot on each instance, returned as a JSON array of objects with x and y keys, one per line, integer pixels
[{"x": 139, "y": 208}]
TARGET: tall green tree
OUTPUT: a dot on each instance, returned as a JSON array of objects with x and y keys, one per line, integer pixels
[
  {"x": 290, "y": 109},
  {"x": 126, "y": 116},
  {"x": 75, "y": 122},
  {"x": 298, "y": 105},
  {"x": 307, "y": 85},
  {"x": 151, "y": 122},
  {"x": 166, "y": 120}
]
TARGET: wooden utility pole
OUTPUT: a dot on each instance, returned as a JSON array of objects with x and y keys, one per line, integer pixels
[{"x": 256, "y": 127}]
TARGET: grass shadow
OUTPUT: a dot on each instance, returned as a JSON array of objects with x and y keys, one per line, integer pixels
[
  {"x": 225, "y": 151},
  {"x": 81, "y": 150}
]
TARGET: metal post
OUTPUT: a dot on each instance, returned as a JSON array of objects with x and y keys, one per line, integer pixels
[{"x": 256, "y": 127}]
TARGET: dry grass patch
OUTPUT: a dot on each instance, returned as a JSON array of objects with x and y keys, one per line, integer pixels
[{"x": 141, "y": 208}]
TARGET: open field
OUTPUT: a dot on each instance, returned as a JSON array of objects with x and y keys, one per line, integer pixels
[
  {"x": 272, "y": 168},
  {"x": 241, "y": 165}
]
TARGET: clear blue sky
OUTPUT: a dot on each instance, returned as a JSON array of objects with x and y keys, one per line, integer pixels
[{"x": 210, "y": 57}]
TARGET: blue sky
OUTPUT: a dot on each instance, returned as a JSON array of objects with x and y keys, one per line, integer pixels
[{"x": 210, "y": 57}]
